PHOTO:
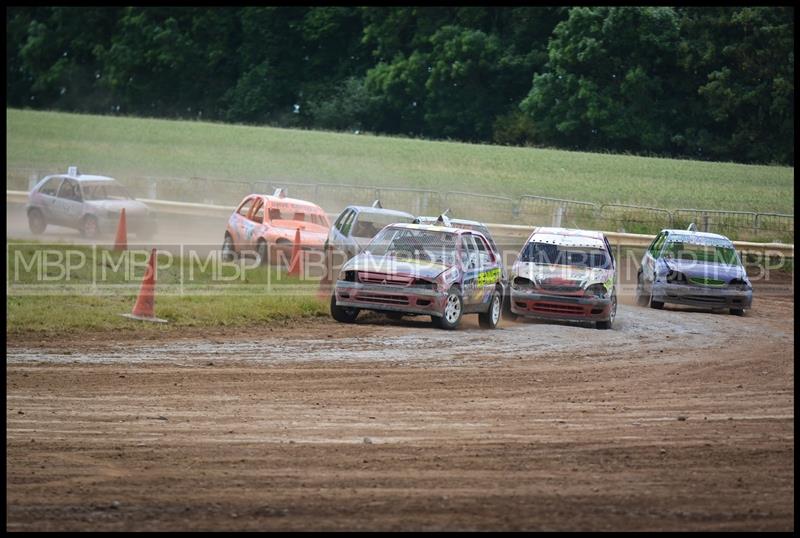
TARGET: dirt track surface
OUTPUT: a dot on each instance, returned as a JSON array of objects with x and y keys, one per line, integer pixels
[{"x": 675, "y": 420}]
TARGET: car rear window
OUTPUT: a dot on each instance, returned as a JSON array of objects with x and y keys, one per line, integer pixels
[{"x": 51, "y": 186}]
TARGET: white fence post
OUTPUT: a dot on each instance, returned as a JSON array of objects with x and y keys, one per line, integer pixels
[{"x": 557, "y": 216}]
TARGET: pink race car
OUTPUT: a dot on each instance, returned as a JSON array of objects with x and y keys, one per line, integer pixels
[{"x": 267, "y": 225}]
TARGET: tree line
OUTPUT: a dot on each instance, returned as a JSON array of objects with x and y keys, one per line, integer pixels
[{"x": 713, "y": 83}]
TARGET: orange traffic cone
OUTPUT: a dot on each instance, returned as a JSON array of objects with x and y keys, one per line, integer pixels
[
  {"x": 143, "y": 309},
  {"x": 296, "y": 265},
  {"x": 121, "y": 241}
]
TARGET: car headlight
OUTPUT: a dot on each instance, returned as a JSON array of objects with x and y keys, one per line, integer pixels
[
  {"x": 522, "y": 283},
  {"x": 676, "y": 277},
  {"x": 741, "y": 284},
  {"x": 596, "y": 290},
  {"x": 347, "y": 276}
]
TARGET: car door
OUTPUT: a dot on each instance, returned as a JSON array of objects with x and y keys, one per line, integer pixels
[
  {"x": 348, "y": 244},
  {"x": 490, "y": 270},
  {"x": 336, "y": 239},
  {"x": 238, "y": 220},
  {"x": 611, "y": 257},
  {"x": 253, "y": 224},
  {"x": 45, "y": 198},
  {"x": 649, "y": 260},
  {"x": 68, "y": 206},
  {"x": 470, "y": 259}
]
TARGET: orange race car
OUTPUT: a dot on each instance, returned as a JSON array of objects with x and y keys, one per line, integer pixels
[{"x": 266, "y": 225}]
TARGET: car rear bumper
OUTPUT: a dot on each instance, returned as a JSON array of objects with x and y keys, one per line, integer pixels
[
  {"x": 560, "y": 307},
  {"x": 702, "y": 296},
  {"x": 390, "y": 298}
]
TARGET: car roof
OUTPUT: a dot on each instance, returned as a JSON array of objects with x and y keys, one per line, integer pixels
[
  {"x": 431, "y": 227},
  {"x": 568, "y": 237},
  {"x": 694, "y": 233},
  {"x": 83, "y": 177},
  {"x": 277, "y": 200},
  {"x": 456, "y": 221},
  {"x": 370, "y": 209}
]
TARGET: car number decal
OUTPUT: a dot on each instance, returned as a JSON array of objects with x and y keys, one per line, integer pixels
[{"x": 488, "y": 277}]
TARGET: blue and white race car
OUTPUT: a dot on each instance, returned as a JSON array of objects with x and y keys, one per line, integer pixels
[{"x": 693, "y": 268}]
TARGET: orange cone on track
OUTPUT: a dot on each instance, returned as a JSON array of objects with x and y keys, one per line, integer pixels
[
  {"x": 144, "y": 308},
  {"x": 121, "y": 241},
  {"x": 296, "y": 265}
]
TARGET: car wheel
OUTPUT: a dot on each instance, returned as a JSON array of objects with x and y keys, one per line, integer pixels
[
  {"x": 285, "y": 247},
  {"x": 89, "y": 228},
  {"x": 36, "y": 221},
  {"x": 453, "y": 310},
  {"x": 343, "y": 314},
  {"x": 261, "y": 250},
  {"x": 737, "y": 311},
  {"x": 491, "y": 318},
  {"x": 228, "y": 252},
  {"x": 606, "y": 324},
  {"x": 641, "y": 298}
]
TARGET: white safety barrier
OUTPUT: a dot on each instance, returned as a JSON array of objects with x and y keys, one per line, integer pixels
[{"x": 504, "y": 230}]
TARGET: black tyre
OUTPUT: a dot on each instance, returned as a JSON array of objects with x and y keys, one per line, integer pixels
[
  {"x": 89, "y": 227},
  {"x": 228, "y": 252},
  {"x": 343, "y": 314},
  {"x": 507, "y": 313},
  {"x": 36, "y": 221},
  {"x": 737, "y": 311},
  {"x": 490, "y": 319},
  {"x": 606, "y": 324},
  {"x": 453, "y": 310},
  {"x": 262, "y": 252},
  {"x": 285, "y": 247},
  {"x": 641, "y": 297}
]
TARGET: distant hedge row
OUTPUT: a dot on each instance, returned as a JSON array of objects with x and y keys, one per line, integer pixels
[{"x": 710, "y": 83}]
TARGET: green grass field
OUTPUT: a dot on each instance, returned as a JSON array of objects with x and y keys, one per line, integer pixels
[
  {"x": 132, "y": 146},
  {"x": 46, "y": 298}
]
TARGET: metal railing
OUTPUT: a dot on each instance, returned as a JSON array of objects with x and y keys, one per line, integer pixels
[
  {"x": 616, "y": 239},
  {"x": 527, "y": 209}
]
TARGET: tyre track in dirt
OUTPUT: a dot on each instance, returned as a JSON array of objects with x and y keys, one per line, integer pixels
[{"x": 677, "y": 419}]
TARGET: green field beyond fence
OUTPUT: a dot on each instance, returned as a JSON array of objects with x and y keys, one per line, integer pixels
[{"x": 132, "y": 149}]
